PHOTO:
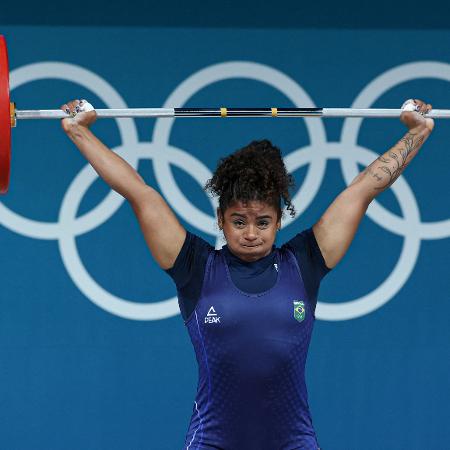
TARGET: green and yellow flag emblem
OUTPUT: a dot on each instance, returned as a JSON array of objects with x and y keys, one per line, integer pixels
[{"x": 299, "y": 310}]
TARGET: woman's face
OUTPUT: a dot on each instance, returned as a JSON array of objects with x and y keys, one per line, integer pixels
[{"x": 249, "y": 229}]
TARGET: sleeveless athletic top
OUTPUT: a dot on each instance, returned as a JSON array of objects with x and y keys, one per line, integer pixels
[
  {"x": 188, "y": 270},
  {"x": 251, "y": 351}
]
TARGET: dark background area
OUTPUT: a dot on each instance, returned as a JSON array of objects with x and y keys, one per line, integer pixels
[{"x": 196, "y": 13}]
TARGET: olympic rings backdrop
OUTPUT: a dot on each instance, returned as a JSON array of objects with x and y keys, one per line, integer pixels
[{"x": 93, "y": 352}]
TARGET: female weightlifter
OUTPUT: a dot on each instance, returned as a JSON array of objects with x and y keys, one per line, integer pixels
[{"x": 249, "y": 307}]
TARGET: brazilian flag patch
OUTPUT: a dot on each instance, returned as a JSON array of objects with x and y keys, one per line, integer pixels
[{"x": 299, "y": 311}]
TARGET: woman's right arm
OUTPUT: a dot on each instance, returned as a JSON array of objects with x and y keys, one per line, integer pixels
[{"x": 162, "y": 231}]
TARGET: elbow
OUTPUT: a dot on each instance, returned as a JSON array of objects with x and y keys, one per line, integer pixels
[
  {"x": 362, "y": 192},
  {"x": 359, "y": 194},
  {"x": 134, "y": 190},
  {"x": 141, "y": 196}
]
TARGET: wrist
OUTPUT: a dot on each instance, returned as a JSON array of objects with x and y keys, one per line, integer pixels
[
  {"x": 74, "y": 130},
  {"x": 421, "y": 128}
]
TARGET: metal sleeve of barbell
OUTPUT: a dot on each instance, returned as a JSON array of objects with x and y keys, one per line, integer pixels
[
  {"x": 230, "y": 112},
  {"x": 101, "y": 113},
  {"x": 379, "y": 113}
]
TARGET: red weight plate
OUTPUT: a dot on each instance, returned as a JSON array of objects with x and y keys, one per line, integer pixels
[{"x": 5, "y": 118}]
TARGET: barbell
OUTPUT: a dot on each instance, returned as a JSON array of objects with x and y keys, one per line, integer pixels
[{"x": 9, "y": 115}]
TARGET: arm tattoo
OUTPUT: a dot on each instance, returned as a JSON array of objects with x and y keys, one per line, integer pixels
[{"x": 394, "y": 164}]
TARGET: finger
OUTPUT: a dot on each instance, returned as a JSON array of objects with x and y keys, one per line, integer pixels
[
  {"x": 72, "y": 108},
  {"x": 75, "y": 107},
  {"x": 418, "y": 102},
  {"x": 421, "y": 107},
  {"x": 73, "y": 103}
]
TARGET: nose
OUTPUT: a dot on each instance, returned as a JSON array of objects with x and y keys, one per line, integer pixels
[{"x": 251, "y": 233}]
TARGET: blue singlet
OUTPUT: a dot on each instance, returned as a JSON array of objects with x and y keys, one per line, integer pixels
[{"x": 251, "y": 351}]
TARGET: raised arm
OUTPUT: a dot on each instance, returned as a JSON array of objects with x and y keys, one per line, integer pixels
[
  {"x": 336, "y": 229},
  {"x": 162, "y": 231}
]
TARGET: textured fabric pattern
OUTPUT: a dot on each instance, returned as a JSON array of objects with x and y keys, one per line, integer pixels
[
  {"x": 189, "y": 269},
  {"x": 251, "y": 351}
]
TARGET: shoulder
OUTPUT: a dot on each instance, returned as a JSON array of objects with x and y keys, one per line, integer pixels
[
  {"x": 191, "y": 260},
  {"x": 310, "y": 261},
  {"x": 306, "y": 250},
  {"x": 188, "y": 271},
  {"x": 303, "y": 239}
]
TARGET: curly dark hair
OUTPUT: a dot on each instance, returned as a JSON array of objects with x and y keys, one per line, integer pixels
[{"x": 254, "y": 172}]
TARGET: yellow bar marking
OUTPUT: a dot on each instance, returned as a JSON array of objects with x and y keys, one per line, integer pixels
[
  {"x": 223, "y": 112},
  {"x": 12, "y": 114},
  {"x": 274, "y": 112}
]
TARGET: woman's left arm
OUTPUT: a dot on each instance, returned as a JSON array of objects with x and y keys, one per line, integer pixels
[{"x": 337, "y": 227}]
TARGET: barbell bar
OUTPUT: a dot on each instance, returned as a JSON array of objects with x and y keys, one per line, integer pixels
[{"x": 9, "y": 115}]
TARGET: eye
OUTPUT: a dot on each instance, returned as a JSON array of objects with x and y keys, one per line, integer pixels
[
  {"x": 263, "y": 224},
  {"x": 238, "y": 223}
]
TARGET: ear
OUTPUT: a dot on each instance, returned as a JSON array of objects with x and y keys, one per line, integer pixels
[
  {"x": 219, "y": 218},
  {"x": 279, "y": 225}
]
